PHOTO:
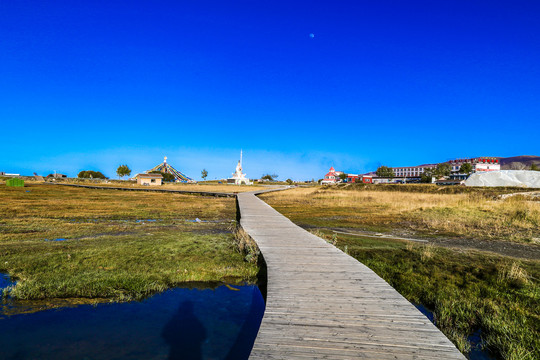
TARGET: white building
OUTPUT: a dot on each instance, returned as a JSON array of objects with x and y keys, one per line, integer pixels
[
  {"x": 238, "y": 177},
  {"x": 149, "y": 179},
  {"x": 479, "y": 164},
  {"x": 332, "y": 177},
  {"x": 412, "y": 171}
]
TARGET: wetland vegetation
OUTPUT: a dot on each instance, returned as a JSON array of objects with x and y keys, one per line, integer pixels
[
  {"x": 89, "y": 245},
  {"x": 468, "y": 290}
]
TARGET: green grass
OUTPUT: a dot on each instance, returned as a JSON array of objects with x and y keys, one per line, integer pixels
[
  {"x": 123, "y": 267},
  {"x": 112, "y": 252}
]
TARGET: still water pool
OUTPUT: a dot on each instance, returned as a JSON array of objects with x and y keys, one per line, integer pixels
[
  {"x": 477, "y": 351},
  {"x": 219, "y": 323}
]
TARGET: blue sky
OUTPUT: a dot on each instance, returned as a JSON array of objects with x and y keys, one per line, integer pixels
[{"x": 96, "y": 84}]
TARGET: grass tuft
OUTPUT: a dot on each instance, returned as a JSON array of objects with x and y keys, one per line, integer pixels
[
  {"x": 514, "y": 275},
  {"x": 427, "y": 252},
  {"x": 244, "y": 244}
]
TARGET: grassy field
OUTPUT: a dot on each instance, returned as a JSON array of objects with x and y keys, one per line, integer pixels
[
  {"x": 63, "y": 242},
  {"x": 467, "y": 290},
  {"x": 206, "y": 187},
  {"x": 424, "y": 212}
]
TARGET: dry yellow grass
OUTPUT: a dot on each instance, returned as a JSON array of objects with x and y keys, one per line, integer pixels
[
  {"x": 222, "y": 188},
  {"x": 48, "y": 201},
  {"x": 206, "y": 187},
  {"x": 514, "y": 219}
]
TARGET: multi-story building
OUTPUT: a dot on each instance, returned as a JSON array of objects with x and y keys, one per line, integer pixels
[
  {"x": 478, "y": 164},
  {"x": 412, "y": 171}
]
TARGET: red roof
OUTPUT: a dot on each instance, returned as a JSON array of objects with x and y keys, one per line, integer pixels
[{"x": 332, "y": 169}]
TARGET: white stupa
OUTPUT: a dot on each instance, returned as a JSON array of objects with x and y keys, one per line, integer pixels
[{"x": 238, "y": 177}]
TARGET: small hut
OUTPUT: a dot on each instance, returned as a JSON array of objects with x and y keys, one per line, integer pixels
[{"x": 149, "y": 179}]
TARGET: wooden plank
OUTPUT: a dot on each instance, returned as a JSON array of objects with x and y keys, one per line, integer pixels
[{"x": 324, "y": 304}]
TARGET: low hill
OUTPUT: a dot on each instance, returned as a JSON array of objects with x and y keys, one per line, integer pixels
[{"x": 522, "y": 162}]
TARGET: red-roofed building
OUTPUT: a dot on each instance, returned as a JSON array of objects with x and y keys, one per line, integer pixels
[
  {"x": 352, "y": 178},
  {"x": 478, "y": 164},
  {"x": 332, "y": 177}
]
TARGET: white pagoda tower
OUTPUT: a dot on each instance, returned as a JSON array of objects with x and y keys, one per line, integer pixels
[{"x": 238, "y": 177}]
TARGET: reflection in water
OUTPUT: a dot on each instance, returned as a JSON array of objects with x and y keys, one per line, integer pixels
[
  {"x": 5, "y": 281},
  {"x": 176, "y": 324},
  {"x": 185, "y": 334}
]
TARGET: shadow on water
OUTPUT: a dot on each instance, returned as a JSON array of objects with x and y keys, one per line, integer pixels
[
  {"x": 185, "y": 334},
  {"x": 180, "y": 323},
  {"x": 249, "y": 330},
  {"x": 477, "y": 352}
]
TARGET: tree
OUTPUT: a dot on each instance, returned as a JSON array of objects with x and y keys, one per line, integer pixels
[
  {"x": 269, "y": 177},
  {"x": 466, "y": 168},
  {"x": 89, "y": 174},
  {"x": 427, "y": 176},
  {"x": 123, "y": 170},
  {"x": 517, "y": 166},
  {"x": 385, "y": 171},
  {"x": 204, "y": 174},
  {"x": 535, "y": 167},
  {"x": 442, "y": 170},
  {"x": 166, "y": 176},
  {"x": 343, "y": 176},
  {"x": 289, "y": 181}
]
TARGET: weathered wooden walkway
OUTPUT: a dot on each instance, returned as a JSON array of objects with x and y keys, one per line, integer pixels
[{"x": 324, "y": 304}]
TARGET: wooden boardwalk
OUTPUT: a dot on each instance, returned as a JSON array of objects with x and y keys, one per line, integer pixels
[{"x": 324, "y": 304}]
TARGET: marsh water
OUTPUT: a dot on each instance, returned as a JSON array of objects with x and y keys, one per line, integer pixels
[
  {"x": 475, "y": 340},
  {"x": 5, "y": 281},
  {"x": 181, "y": 323}
]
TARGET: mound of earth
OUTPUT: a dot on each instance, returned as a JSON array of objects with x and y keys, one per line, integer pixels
[
  {"x": 522, "y": 162},
  {"x": 514, "y": 178}
]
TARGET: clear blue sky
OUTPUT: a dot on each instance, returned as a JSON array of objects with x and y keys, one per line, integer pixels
[{"x": 298, "y": 85}]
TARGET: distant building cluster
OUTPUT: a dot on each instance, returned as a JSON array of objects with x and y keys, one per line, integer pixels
[
  {"x": 478, "y": 164},
  {"x": 414, "y": 173},
  {"x": 333, "y": 177}
]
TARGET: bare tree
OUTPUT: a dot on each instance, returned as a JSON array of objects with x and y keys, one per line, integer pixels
[{"x": 518, "y": 166}]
